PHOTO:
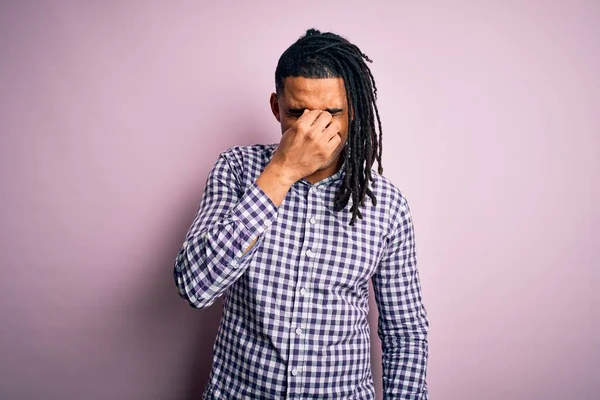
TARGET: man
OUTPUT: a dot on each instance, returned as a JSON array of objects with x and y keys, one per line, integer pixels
[{"x": 284, "y": 233}]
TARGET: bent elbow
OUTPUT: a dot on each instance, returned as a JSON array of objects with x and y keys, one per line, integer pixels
[{"x": 197, "y": 301}]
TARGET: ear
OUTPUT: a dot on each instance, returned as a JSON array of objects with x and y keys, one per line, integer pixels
[
  {"x": 351, "y": 114},
  {"x": 275, "y": 106}
]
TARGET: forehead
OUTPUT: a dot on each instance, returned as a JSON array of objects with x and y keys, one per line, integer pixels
[{"x": 314, "y": 94}]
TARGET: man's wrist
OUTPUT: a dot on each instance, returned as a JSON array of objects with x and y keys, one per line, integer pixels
[
  {"x": 276, "y": 182},
  {"x": 281, "y": 174}
]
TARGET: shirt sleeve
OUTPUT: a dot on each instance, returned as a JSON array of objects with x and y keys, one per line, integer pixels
[
  {"x": 212, "y": 256},
  {"x": 403, "y": 324}
]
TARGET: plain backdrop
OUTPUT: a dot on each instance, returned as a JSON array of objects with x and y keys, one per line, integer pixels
[{"x": 113, "y": 112}]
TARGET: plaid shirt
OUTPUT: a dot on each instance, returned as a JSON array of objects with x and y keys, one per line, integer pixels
[{"x": 294, "y": 322}]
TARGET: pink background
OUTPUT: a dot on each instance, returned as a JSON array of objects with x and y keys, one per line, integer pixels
[{"x": 112, "y": 113}]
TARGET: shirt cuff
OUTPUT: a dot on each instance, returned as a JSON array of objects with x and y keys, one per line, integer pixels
[{"x": 256, "y": 212}]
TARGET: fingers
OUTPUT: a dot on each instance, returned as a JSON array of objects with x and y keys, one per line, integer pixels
[
  {"x": 331, "y": 136},
  {"x": 302, "y": 120},
  {"x": 332, "y": 130},
  {"x": 314, "y": 120},
  {"x": 323, "y": 119},
  {"x": 324, "y": 128},
  {"x": 308, "y": 117}
]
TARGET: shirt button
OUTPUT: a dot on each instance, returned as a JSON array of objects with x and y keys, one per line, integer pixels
[
  {"x": 309, "y": 252},
  {"x": 295, "y": 371},
  {"x": 234, "y": 263},
  {"x": 298, "y": 331},
  {"x": 313, "y": 220},
  {"x": 303, "y": 292}
]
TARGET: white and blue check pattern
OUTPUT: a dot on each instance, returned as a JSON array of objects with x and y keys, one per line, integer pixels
[{"x": 294, "y": 322}]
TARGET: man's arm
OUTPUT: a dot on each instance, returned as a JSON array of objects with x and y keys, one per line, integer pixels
[
  {"x": 222, "y": 238},
  {"x": 403, "y": 323},
  {"x": 226, "y": 228}
]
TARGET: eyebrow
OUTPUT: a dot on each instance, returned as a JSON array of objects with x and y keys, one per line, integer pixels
[{"x": 301, "y": 110}]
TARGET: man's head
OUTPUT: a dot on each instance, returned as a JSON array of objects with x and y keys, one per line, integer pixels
[
  {"x": 324, "y": 71},
  {"x": 327, "y": 94}
]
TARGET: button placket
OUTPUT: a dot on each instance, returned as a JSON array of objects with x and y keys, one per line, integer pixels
[
  {"x": 303, "y": 282},
  {"x": 311, "y": 229}
]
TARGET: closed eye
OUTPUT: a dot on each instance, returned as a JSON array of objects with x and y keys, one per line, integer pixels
[{"x": 296, "y": 112}]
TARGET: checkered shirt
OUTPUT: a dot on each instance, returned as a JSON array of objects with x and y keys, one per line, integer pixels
[{"x": 294, "y": 322}]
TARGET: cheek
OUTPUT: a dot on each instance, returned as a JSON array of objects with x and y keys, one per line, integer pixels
[
  {"x": 284, "y": 126},
  {"x": 344, "y": 129},
  {"x": 286, "y": 123},
  {"x": 344, "y": 133}
]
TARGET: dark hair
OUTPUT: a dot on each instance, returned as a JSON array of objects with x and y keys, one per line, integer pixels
[{"x": 327, "y": 55}]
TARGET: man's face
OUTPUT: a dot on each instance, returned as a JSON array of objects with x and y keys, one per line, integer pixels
[{"x": 301, "y": 93}]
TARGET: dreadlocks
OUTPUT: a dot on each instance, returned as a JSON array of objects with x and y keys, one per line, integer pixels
[{"x": 327, "y": 55}]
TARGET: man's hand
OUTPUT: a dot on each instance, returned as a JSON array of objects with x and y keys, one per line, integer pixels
[
  {"x": 307, "y": 144},
  {"x": 303, "y": 149}
]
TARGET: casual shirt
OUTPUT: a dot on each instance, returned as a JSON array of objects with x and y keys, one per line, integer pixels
[{"x": 294, "y": 322}]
